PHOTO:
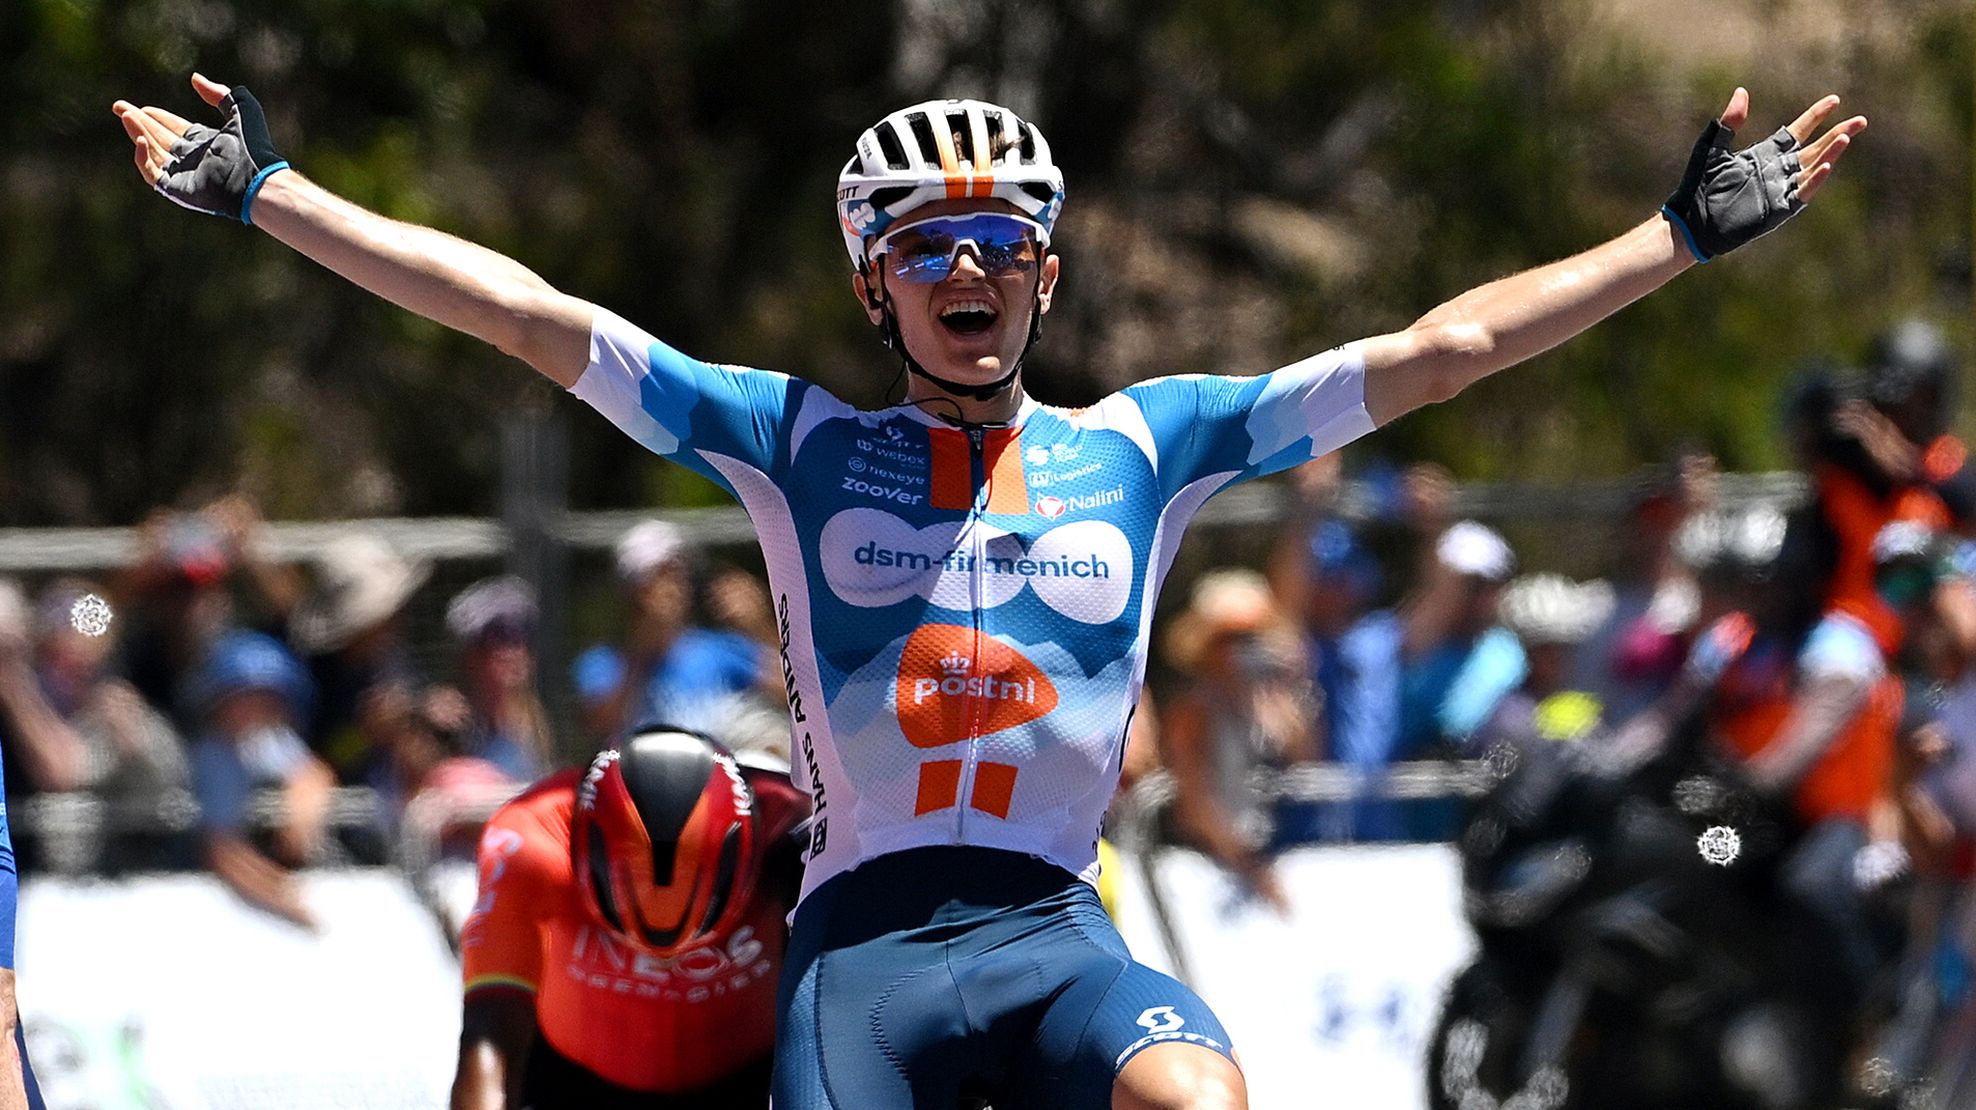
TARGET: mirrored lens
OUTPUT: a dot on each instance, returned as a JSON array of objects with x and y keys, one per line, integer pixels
[{"x": 924, "y": 252}]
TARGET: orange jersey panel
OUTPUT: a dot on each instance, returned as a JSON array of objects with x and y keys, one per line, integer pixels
[
  {"x": 1750, "y": 709},
  {"x": 1856, "y": 514},
  {"x": 650, "y": 1023}
]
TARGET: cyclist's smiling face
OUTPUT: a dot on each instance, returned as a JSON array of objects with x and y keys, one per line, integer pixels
[{"x": 968, "y": 326}]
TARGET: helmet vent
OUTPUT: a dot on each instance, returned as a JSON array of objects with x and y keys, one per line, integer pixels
[
  {"x": 1028, "y": 140},
  {"x": 1040, "y": 191},
  {"x": 889, "y": 145},
  {"x": 963, "y": 132},
  {"x": 884, "y": 198},
  {"x": 922, "y": 129}
]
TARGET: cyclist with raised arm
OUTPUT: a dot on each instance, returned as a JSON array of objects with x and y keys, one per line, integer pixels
[
  {"x": 624, "y": 947},
  {"x": 965, "y": 582}
]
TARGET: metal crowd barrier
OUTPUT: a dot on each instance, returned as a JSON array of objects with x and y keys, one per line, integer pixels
[{"x": 37, "y": 550}]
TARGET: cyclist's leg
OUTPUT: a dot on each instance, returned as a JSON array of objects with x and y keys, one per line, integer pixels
[
  {"x": 876, "y": 1024},
  {"x": 34, "y": 1101},
  {"x": 1179, "y": 1077},
  {"x": 1095, "y": 1039}
]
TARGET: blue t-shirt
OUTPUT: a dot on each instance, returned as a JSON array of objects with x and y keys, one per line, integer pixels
[
  {"x": 225, "y": 773},
  {"x": 1449, "y": 693},
  {"x": 703, "y": 666}
]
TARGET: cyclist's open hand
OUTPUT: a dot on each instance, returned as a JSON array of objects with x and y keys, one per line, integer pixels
[
  {"x": 207, "y": 169},
  {"x": 1730, "y": 197}
]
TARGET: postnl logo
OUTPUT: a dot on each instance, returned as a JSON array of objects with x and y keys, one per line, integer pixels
[{"x": 954, "y": 685}]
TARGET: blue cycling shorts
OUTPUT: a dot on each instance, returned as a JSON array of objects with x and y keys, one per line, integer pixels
[{"x": 932, "y": 978}]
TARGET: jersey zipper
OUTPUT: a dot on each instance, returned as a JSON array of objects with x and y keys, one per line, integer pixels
[{"x": 971, "y": 717}]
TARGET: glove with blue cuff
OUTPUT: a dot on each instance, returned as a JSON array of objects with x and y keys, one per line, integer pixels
[
  {"x": 1729, "y": 198},
  {"x": 219, "y": 170}
]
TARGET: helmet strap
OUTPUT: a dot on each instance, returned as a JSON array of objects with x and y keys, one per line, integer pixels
[{"x": 889, "y": 329}]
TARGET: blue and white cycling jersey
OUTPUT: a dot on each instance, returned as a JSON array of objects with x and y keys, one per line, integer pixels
[{"x": 964, "y": 613}]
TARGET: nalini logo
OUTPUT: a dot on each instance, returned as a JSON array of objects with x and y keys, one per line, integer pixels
[
  {"x": 1052, "y": 507},
  {"x": 956, "y": 683}
]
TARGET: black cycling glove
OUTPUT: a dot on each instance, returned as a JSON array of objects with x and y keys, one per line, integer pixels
[
  {"x": 218, "y": 171},
  {"x": 1727, "y": 199}
]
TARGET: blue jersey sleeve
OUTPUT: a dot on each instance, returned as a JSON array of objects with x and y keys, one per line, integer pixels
[
  {"x": 681, "y": 408},
  {"x": 1204, "y": 425},
  {"x": 9, "y": 888}
]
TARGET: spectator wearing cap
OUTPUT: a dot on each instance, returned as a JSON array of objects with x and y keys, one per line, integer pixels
[
  {"x": 251, "y": 695},
  {"x": 493, "y": 622},
  {"x": 351, "y": 632},
  {"x": 1451, "y": 665},
  {"x": 72, "y": 724},
  {"x": 1246, "y": 706},
  {"x": 667, "y": 669},
  {"x": 1456, "y": 661}
]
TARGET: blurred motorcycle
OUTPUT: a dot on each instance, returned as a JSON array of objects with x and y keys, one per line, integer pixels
[{"x": 1632, "y": 951}]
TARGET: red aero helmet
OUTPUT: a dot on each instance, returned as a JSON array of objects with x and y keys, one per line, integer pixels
[{"x": 663, "y": 840}]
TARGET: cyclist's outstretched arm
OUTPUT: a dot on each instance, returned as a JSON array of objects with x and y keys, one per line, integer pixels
[
  {"x": 1724, "y": 201},
  {"x": 234, "y": 171}
]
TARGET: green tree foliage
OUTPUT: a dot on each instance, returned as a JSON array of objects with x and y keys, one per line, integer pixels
[{"x": 1250, "y": 180}]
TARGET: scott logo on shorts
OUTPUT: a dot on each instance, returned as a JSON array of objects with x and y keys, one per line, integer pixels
[{"x": 1161, "y": 1019}]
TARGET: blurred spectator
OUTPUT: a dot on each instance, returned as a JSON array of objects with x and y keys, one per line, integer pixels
[
  {"x": 1551, "y": 616},
  {"x": 251, "y": 695},
  {"x": 1351, "y": 651},
  {"x": 70, "y": 724},
  {"x": 351, "y": 631},
  {"x": 1246, "y": 707},
  {"x": 1457, "y": 663},
  {"x": 1865, "y": 473},
  {"x": 424, "y": 754},
  {"x": 177, "y": 605},
  {"x": 1637, "y": 648},
  {"x": 669, "y": 670},
  {"x": 175, "y": 599},
  {"x": 493, "y": 622}
]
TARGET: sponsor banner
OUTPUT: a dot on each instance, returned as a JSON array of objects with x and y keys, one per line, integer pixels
[
  {"x": 1334, "y": 1005},
  {"x": 170, "y": 991}
]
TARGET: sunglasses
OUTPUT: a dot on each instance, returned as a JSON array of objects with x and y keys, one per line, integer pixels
[{"x": 924, "y": 252}]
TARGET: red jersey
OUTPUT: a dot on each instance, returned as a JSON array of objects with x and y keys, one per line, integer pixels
[{"x": 635, "y": 1019}]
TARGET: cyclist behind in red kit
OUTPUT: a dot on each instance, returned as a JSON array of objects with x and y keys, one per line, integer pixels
[{"x": 629, "y": 931}]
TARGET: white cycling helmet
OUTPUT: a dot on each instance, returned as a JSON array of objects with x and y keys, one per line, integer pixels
[{"x": 940, "y": 150}]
